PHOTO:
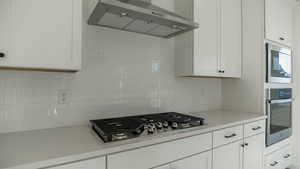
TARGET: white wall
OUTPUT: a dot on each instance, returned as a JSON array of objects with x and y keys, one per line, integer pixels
[
  {"x": 246, "y": 94},
  {"x": 123, "y": 73}
]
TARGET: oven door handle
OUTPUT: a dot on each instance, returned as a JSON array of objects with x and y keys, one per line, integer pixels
[{"x": 280, "y": 101}]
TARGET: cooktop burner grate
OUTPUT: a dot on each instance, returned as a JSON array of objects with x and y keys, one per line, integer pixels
[{"x": 131, "y": 127}]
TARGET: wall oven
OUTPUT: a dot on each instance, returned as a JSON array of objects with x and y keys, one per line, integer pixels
[
  {"x": 279, "y": 111},
  {"x": 279, "y": 64}
]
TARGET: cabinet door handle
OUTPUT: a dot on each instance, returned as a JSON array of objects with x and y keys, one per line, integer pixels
[
  {"x": 244, "y": 145},
  {"x": 274, "y": 163},
  {"x": 2, "y": 55},
  {"x": 230, "y": 136},
  {"x": 281, "y": 38},
  {"x": 256, "y": 128},
  {"x": 287, "y": 156}
]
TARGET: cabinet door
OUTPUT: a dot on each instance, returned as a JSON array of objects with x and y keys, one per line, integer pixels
[
  {"x": 279, "y": 21},
  {"x": 42, "y": 33},
  {"x": 286, "y": 24},
  {"x": 229, "y": 156},
  {"x": 200, "y": 161},
  {"x": 253, "y": 152},
  {"x": 5, "y": 26},
  {"x": 231, "y": 38},
  {"x": 160, "y": 154},
  {"x": 98, "y": 163},
  {"x": 273, "y": 17},
  {"x": 206, "y": 38}
]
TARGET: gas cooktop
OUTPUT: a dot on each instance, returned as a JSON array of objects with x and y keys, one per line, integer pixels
[{"x": 123, "y": 128}]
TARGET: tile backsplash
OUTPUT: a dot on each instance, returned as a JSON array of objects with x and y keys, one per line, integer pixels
[{"x": 123, "y": 74}]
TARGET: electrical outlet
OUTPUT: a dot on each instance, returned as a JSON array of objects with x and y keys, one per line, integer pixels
[{"x": 62, "y": 96}]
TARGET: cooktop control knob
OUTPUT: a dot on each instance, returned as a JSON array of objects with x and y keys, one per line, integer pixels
[
  {"x": 159, "y": 125},
  {"x": 165, "y": 124},
  {"x": 174, "y": 125},
  {"x": 151, "y": 125},
  {"x": 151, "y": 130},
  {"x": 139, "y": 130}
]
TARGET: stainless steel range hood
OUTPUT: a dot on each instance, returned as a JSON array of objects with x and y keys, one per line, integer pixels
[{"x": 139, "y": 16}]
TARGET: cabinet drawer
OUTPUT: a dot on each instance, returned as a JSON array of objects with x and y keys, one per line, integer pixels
[
  {"x": 152, "y": 156},
  {"x": 254, "y": 128},
  {"x": 280, "y": 159},
  {"x": 273, "y": 161},
  {"x": 286, "y": 156},
  {"x": 227, "y": 135}
]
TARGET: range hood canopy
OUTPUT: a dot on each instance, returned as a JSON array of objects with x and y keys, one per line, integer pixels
[{"x": 139, "y": 16}]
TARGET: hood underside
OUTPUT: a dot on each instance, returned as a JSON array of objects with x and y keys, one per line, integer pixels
[{"x": 139, "y": 16}]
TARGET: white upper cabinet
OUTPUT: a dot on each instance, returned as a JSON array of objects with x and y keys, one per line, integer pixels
[
  {"x": 231, "y": 38},
  {"x": 41, "y": 34},
  {"x": 214, "y": 49},
  {"x": 279, "y": 21},
  {"x": 5, "y": 11},
  {"x": 206, "y": 38}
]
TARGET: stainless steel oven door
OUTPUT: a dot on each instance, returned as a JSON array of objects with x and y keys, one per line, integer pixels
[
  {"x": 279, "y": 67},
  {"x": 279, "y": 122}
]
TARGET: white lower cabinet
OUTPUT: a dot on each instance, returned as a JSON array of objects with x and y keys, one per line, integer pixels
[
  {"x": 163, "y": 167},
  {"x": 166, "y": 153},
  {"x": 280, "y": 159},
  {"x": 229, "y": 156},
  {"x": 200, "y": 161},
  {"x": 230, "y": 151},
  {"x": 97, "y": 163},
  {"x": 253, "y": 152},
  {"x": 246, "y": 153}
]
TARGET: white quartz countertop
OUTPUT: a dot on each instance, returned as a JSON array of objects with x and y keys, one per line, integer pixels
[{"x": 43, "y": 148}]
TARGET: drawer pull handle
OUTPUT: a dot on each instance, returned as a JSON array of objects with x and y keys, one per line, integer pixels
[
  {"x": 230, "y": 136},
  {"x": 281, "y": 38},
  {"x": 287, "y": 156},
  {"x": 256, "y": 128},
  {"x": 274, "y": 163}
]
